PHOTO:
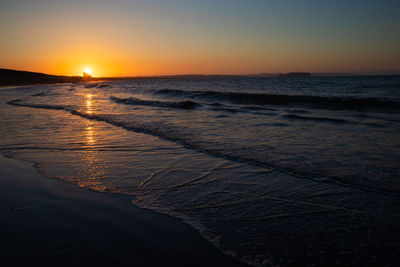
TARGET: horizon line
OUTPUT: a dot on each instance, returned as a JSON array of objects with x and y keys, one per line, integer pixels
[{"x": 261, "y": 74}]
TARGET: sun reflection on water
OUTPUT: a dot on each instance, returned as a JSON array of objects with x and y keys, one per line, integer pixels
[
  {"x": 92, "y": 171},
  {"x": 89, "y": 103},
  {"x": 89, "y": 136}
]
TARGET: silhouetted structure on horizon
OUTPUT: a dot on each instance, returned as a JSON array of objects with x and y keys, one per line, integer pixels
[{"x": 86, "y": 75}]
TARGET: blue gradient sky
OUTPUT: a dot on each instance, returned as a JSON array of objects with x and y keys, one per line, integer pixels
[{"x": 122, "y": 37}]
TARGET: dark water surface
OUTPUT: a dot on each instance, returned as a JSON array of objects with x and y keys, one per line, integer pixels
[{"x": 273, "y": 171}]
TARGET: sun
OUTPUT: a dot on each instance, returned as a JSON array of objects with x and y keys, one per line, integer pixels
[{"x": 88, "y": 71}]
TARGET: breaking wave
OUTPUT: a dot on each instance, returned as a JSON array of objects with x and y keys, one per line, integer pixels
[
  {"x": 321, "y": 102},
  {"x": 163, "y": 104}
]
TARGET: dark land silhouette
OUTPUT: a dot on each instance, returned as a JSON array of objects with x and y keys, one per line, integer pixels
[
  {"x": 15, "y": 77},
  {"x": 295, "y": 75}
]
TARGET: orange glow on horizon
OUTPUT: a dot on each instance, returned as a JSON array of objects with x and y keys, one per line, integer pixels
[{"x": 113, "y": 60}]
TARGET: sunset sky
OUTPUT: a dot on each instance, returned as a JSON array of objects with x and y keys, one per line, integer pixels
[{"x": 149, "y": 37}]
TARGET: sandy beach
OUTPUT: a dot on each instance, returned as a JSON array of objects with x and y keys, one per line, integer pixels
[{"x": 46, "y": 222}]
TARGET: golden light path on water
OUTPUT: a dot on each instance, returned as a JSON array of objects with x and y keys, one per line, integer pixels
[
  {"x": 92, "y": 173},
  {"x": 89, "y": 103}
]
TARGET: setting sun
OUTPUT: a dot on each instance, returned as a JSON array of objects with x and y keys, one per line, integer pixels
[{"x": 88, "y": 71}]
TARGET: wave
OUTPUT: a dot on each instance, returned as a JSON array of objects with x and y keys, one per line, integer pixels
[
  {"x": 39, "y": 94},
  {"x": 178, "y": 135},
  {"x": 320, "y": 119},
  {"x": 17, "y": 102},
  {"x": 321, "y": 102},
  {"x": 191, "y": 105},
  {"x": 163, "y": 104},
  {"x": 103, "y": 85}
]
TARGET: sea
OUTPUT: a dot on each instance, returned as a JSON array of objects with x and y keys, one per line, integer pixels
[{"x": 272, "y": 171}]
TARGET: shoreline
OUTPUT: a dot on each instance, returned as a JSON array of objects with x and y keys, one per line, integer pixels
[{"x": 54, "y": 223}]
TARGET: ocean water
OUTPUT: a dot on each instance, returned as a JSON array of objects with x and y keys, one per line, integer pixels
[{"x": 271, "y": 171}]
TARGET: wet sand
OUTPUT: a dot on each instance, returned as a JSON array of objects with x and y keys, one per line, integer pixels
[{"x": 47, "y": 222}]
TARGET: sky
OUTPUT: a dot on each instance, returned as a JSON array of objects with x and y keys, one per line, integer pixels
[{"x": 167, "y": 37}]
